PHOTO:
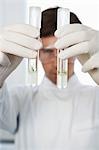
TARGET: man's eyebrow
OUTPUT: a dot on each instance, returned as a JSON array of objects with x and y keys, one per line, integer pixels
[{"x": 47, "y": 49}]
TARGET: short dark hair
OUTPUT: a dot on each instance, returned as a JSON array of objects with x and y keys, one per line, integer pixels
[{"x": 49, "y": 21}]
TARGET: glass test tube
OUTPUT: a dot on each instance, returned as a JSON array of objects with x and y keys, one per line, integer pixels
[
  {"x": 35, "y": 20},
  {"x": 63, "y": 18}
]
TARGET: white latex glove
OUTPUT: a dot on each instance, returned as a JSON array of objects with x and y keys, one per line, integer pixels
[
  {"x": 16, "y": 41},
  {"x": 78, "y": 39}
]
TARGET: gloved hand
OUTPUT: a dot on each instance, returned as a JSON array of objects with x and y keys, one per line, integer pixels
[
  {"x": 16, "y": 42},
  {"x": 78, "y": 39}
]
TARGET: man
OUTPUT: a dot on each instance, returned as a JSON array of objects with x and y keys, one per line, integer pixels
[{"x": 49, "y": 118}]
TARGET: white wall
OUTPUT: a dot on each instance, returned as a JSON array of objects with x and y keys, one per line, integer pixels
[{"x": 12, "y": 11}]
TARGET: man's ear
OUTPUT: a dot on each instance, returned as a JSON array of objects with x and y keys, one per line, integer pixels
[{"x": 40, "y": 55}]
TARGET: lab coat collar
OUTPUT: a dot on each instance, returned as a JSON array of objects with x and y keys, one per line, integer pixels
[
  {"x": 50, "y": 89},
  {"x": 73, "y": 81}
]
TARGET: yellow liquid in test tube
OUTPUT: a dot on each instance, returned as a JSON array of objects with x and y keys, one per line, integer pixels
[{"x": 63, "y": 18}]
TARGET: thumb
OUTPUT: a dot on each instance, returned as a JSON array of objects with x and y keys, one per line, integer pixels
[
  {"x": 4, "y": 60},
  {"x": 92, "y": 63}
]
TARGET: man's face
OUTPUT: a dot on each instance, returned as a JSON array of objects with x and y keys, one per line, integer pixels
[{"x": 48, "y": 59}]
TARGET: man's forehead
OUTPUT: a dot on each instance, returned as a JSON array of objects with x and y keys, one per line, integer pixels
[{"x": 48, "y": 41}]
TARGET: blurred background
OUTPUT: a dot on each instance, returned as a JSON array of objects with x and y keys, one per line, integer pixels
[{"x": 17, "y": 11}]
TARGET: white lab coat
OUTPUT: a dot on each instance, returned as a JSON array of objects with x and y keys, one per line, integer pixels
[{"x": 50, "y": 118}]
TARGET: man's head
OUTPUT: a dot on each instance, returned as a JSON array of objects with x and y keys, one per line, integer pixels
[{"x": 48, "y": 57}]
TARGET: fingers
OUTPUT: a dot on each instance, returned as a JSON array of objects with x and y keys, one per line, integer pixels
[
  {"x": 92, "y": 63},
  {"x": 20, "y": 40},
  {"x": 78, "y": 39},
  {"x": 74, "y": 38},
  {"x": 25, "y": 29},
  {"x": 23, "y": 40},
  {"x": 75, "y": 50},
  {"x": 15, "y": 49},
  {"x": 4, "y": 60},
  {"x": 70, "y": 28}
]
